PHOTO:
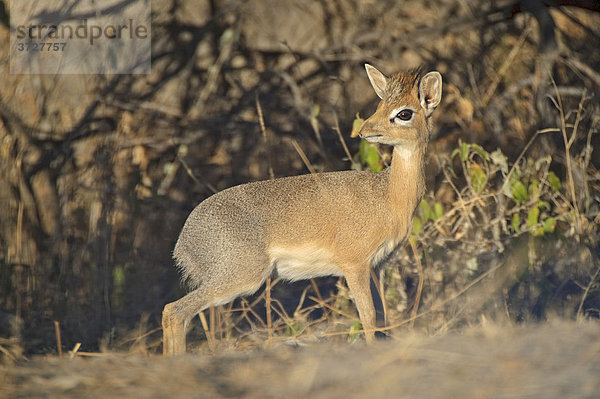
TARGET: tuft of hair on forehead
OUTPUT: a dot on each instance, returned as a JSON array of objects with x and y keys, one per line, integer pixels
[{"x": 402, "y": 82}]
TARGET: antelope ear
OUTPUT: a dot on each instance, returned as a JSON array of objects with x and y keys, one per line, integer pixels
[
  {"x": 377, "y": 79},
  {"x": 430, "y": 91}
]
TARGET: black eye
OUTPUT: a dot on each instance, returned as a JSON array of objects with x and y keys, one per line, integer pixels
[{"x": 405, "y": 114}]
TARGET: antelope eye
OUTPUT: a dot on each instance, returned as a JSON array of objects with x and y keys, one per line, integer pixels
[{"x": 405, "y": 115}]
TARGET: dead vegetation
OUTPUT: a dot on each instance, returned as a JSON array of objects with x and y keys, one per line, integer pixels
[
  {"x": 99, "y": 172},
  {"x": 552, "y": 361}
]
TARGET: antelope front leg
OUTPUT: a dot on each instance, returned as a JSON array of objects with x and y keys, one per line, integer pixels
[{"x": 359, "y": 283}]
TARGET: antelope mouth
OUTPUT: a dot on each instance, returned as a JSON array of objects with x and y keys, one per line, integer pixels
[{"x": 373, "y": 138}]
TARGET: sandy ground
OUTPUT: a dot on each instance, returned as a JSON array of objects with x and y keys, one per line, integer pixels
[{"x": 555, "y": 360}]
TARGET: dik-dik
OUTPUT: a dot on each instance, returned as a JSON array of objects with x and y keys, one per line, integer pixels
[{"x": 338, "y": 223}]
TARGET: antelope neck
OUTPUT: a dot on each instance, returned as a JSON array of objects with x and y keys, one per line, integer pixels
[{"x": 407, "y": 180}]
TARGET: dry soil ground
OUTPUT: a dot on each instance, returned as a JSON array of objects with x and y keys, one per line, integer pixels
[{"x": 554, "y": 360}]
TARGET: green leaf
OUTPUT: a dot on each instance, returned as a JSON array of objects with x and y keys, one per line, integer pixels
[
  {"x": 438, "y": 211},
  {"x": 519, "y": 192},
  {"x": 356, "y": 125},
  {"x": 292, "y": 329},
  {"x": 534, "y": 188},
  {"x": 182, "y": 150},
  {"x": 370, "y": 156},
  {"x": 515, "y": 222},
  {"x": 472, "y": 265},
  {"x": 169, "y": 167},
  {"x": 533, "y": 216},
  {"x": 315, "y": 110},
  {"x": 539, "y": 231},
  {"x": 118, "y": 285},
  {"x": 417, "y": 226},
  {"x": 356, "y": 326},
  {"x": 555, "y": 183},
  {"x": 498, "y": 158},
  {"x": 426, "y": 210},
  {"x": 549, "y": 225},
  {"x": 118, "y": 276},
  {"x": 478, "y": 177},
  {"x": 227, "y": 36},
  {"x": 477, "y": 149},
  {"x": 464, "y": 151},
  {"x": 543, "y": 205}
]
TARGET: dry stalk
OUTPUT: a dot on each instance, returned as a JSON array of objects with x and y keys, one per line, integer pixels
[
  {"x": 249, "y": 310},
  {"x": 190, "y": 173},
  {"x": 340, "y": 312},
  {"x": 378, "y": 286},
  {"x": 268, "y": 306},
  {"x": 585, "y": 294},
  {"x": 315, "y": 287},
  {"x": 73, "y": 352},
  {"x": 58, "y": 337},
  {"x": 421, "y": 278},
  {"x": 340, "y": 137},
  {"x": 304, "y": 158},
  {"x": 567, "y": 143},
  {"x": 263, "y": 129},
  {"x": 209, "y": 338}
]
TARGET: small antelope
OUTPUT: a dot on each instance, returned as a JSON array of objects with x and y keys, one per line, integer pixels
[{"x": 338, "y": 223}]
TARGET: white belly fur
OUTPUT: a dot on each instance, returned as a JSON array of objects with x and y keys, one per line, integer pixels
[{"x": 303, "y": 262}]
